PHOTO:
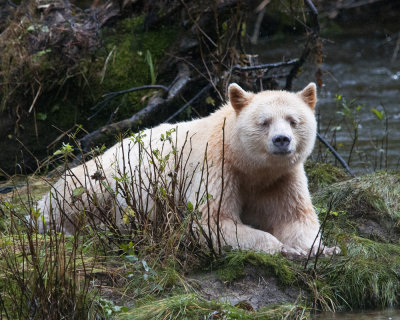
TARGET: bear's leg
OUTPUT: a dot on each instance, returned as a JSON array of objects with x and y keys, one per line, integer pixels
[
  {"x": 240, "y": 236},
  {"x": 304, "y": 235}
]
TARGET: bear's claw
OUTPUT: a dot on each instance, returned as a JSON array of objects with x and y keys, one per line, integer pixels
[
  {"x": 324, "y": 251},
  {"x": 290, "y": 252},
  {"x": 297, "y": 252}
]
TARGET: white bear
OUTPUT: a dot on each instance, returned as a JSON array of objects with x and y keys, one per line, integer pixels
[{"x": 247, "y": 158}]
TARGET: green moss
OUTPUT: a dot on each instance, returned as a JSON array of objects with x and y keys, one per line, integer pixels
[
  {"x": 232, "y": 265},
  {"x": 321, "y": 175},
  {"x": 121, "y": 62}
]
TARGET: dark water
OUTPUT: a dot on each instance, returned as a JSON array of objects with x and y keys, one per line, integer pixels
[
  {"x": 360, "y": 315},
  {"x": 361, "y": 69}
]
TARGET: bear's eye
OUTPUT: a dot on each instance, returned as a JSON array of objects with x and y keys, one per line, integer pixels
[
  {"x": 266, "y": 122},
  {"x": 292, "y": 122}
]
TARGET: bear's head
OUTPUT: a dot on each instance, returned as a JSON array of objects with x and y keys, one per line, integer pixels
[{"x": 273, "y": 128}]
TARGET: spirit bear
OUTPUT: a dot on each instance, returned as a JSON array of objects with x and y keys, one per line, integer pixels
[{"x": 255, "y": 147}]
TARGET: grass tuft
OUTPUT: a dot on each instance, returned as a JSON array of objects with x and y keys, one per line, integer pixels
[
  {"x": 231, "y": 266},
  {"x": 192, "y": 306},
  {"x": 369, "y": 274}
]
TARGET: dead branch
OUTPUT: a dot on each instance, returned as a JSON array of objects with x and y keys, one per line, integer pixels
[
  {"x": 266, "y": 67},
  {"x": 198, "y": 95},
  {"x": 111, "y": 95}
]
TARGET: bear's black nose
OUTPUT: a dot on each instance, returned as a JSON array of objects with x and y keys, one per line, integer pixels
[{"x": 281, "y": 141}]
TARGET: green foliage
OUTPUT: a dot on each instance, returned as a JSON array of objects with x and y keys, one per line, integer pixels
[
  {"x": 64, "y": 89},
  {"x": 367, "y": 273},
  {"x": 232, "y": 265},
  {"x": 379, "y": 114},
  {"x": 109, "y": 309},
  {"x": 65, "y": 150},
  {"x": 149, "y": 61},
  {"x": 34, "y": 273}
]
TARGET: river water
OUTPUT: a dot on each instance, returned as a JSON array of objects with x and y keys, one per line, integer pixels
[
  {"x": 357, "y": 68},
  {"x": 389, "y": 314}
]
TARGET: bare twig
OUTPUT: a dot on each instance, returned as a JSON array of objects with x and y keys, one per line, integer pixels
[
  {"x": 34, "y": 100},
  {"x": 207, "y": 87},
  {"x": 222, "y": 189},
  {"x": 396, "y": 49},
  {"x": 256, "y": 32},
  {"x": 267, "y": 66},
  {"x": 319, "y": 235},
  {"x": 12, "y": 4},
  {"x": 155, "y": 104}
]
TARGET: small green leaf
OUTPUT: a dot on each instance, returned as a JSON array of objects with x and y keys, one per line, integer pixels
[
  {"x": 377, "y": 113},
  {"x": 35, "y": 214},
  {"x": 107, "y": 186},
  {"x": 210, "y": 100},
  {"x": 78, "y": 192},
  {"x": 65, "y": 149},
  {"x": 41, "y": 116},
  {"x": 244, "y": 27},
  {"x": 149, "y": 61},
  {"x": 190, "y": 206}
]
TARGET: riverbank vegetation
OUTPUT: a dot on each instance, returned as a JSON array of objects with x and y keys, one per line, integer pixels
[
  {"x": 54, "y": 75},
  {"x": 159, "y": 268}
]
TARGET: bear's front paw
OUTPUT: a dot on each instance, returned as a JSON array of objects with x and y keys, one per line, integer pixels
[
  {"x": 330, "y": 251},
  {"x": 290, "y": 252},
  {"x": 324, "y": 251}
]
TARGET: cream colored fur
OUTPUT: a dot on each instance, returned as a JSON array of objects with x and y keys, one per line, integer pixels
[{"x": 265, "y": 204}]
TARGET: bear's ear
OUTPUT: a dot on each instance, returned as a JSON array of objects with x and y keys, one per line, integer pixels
[
  {"x": 238, "y": 97},
  {"x": 309, "y": 95}
]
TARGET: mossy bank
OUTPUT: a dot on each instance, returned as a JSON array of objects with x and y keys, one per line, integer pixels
[{"x": 126, "y": 283}]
